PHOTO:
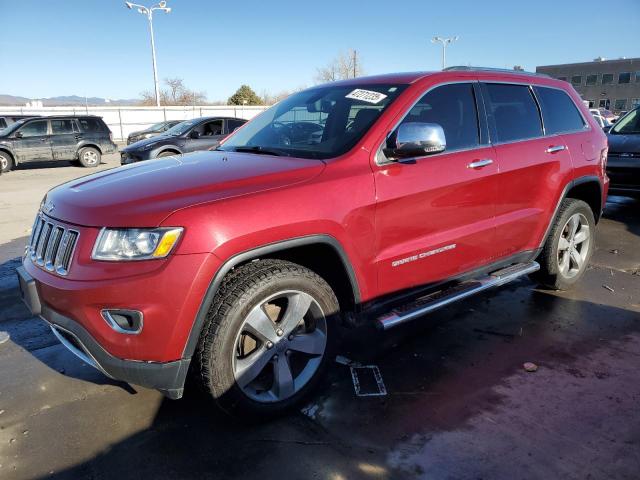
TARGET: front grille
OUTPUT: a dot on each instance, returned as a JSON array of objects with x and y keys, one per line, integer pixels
[{"x": 51, "y": 245}]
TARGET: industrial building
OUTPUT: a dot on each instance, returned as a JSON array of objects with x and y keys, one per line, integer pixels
[{"x": 610, "y": 84}]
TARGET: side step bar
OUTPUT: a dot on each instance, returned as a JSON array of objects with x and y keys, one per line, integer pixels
[{"x": 434, "y": 301}]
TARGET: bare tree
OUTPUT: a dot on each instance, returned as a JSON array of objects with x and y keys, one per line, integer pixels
[
  {"x": 345, "y": 65},
  {"x": 176, "y": 93}
]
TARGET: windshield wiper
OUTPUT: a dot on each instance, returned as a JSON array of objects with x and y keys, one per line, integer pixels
[{"x": 259, "y": 150}]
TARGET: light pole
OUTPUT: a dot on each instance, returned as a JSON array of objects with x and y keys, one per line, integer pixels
[
  {"x": 444, "y": 42},
  {"x": 148, "y": 11}
]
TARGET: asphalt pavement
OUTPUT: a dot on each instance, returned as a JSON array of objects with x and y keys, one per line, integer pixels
[{"x": 458, "y": 402}]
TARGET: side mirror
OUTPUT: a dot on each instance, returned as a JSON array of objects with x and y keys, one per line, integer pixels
[
  {"x": 18, "y": 135},
  {"x": 194, "y": 134},
  {"x": 415, "y": 139}
]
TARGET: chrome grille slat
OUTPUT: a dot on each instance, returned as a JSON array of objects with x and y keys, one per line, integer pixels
[
  {"x": 52, "y": 245},
  {"x": 42, "y": 244}
]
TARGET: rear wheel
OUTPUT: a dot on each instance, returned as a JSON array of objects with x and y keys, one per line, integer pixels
[
  {"x": 271, "y": 328},
  {"x": 569, "y": 247},
  {"x": 6, "y": 162},
  {"x": 89, "y": 157}
]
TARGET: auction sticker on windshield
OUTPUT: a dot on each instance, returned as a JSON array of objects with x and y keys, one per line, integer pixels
[{"x": 366, "y": 95}]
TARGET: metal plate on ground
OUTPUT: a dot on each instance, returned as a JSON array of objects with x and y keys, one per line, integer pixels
[{"x": 367, "y": 381}]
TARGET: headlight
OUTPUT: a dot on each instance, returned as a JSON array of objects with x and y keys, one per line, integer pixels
[{"x": 135, "y": 243}]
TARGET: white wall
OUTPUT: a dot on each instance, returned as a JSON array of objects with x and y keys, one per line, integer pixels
[{"x": 124, "y": 120}]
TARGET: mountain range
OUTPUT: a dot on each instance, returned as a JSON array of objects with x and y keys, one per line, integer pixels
[{"x": 69, "y": 100}]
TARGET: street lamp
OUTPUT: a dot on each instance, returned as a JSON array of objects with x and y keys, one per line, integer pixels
[
  {"x": 444, "y": 42},
  {"x": 148, "y": 11}
]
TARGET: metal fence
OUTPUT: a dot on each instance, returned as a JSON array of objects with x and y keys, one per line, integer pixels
[{"x": 124, "y": 120}]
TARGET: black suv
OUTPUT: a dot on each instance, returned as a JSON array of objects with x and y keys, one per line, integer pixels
[
  {"x": 80, "y": 138},
  {"x": 154, "y": 130},
  {"x": 202, "y": 133}
]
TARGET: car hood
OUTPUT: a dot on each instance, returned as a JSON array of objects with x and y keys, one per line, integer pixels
[
  {"x": 145, "y": 193},
  {"x": 619, "y": 143},
  {"x": 146, "y": 142},
  {"x": 142, "y": 132}
]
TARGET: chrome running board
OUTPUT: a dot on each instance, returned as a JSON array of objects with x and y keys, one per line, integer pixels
[{"x": 442, "y": 298}]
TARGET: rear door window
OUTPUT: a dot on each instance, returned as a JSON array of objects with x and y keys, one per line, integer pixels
[
  {"x": 233, "y": 124},
  {"x": 514, "y": 112},
  {"x": 91, "y": 125},
  {"x": 61, "y": 127},
  {"x": 453, "y": 107},
  {"x": 559, "y": 112}
]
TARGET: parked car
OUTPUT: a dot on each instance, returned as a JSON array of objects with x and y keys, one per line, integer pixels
[
  {"x": 6, "y": 120},
  {"x": 603, "y": 122},
  {"x": 623, "y": 161},
  {"x": 152, "y": 131},
  {"x": 608, "y": 114},
  {"x": 423, "y": 189},
  {"x": 188, "y": 136},
  {"x": 81, "y": 138}
]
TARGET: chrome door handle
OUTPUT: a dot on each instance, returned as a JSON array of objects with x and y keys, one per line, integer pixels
[
  {"x": 480, "y": 163},
  {"x": 555, "y": 148}
]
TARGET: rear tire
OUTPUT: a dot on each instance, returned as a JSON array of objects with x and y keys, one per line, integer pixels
[
  {"x": 6, "y": 162},
  {"x": 89, "y": 157},
  {"x": 569, "y": 246},
  {"x": 269, "y": 337}
]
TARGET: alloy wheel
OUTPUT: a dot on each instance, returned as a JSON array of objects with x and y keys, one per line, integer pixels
[
  {"x": 280, "y": 346},
  {"x": 90, "y": 157},
  {"x": 573, "y": 246}
]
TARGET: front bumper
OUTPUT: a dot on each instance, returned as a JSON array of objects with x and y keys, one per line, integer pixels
[
  {"x": 168, "y": 377},
  {"x": 127, "y": 158}
]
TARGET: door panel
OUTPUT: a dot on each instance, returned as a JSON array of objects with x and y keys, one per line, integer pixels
[
  {"x": 35, "y": 142},
  {"x": 533, "y": 167},
  {"x": 63, "y": 139},
  {"x": 435, "y": 214},
  {"x": 435, "y": 218},
  {"x": 530, "y": 181}
]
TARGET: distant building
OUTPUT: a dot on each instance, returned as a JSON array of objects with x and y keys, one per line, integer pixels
[{"x": 610, "y": 84}]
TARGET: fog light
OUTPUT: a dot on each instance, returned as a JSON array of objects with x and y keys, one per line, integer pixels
[{"x": 124, "y": 321}]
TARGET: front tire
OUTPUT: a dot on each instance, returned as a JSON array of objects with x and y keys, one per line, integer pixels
[
  {"x": 270, "y": 334},
  {"x": 89, "y": 157},
  {"x": 6, "y": 162},
  {"x": 569, "y": 246}
]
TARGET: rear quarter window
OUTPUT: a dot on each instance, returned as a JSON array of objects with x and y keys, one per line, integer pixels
[
  {"x": 92, "y": 125},
  {"x": 514, "y": 112},
  {"x": 559, "y": 112}
]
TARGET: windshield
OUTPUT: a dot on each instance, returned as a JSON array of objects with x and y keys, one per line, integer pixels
[
  {"x": 12, "y": 128},
  {"x": 180, "y": 128},
  {"x": 322, "y": 122},
  {"x": 630, "y": 123},
  {"x": 156, "y": 126}
]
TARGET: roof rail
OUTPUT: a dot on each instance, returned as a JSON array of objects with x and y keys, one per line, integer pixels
[{"x": 463, "y": 68}]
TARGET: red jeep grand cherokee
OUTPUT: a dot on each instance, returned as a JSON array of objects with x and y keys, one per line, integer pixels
[{"x": 374, "y": 199}]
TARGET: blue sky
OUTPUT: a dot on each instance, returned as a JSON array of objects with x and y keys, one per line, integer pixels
[{"x": 99, "y": 48}]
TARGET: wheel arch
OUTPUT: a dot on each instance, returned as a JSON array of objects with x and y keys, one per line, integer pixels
[
  {"x": 87, "y": 145},
  {"x": 320, "y": 253},
  {"x": 589, "y": 190},
  {"x": 10, "y": 153},
  {"x": 169, "y": 148}
]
